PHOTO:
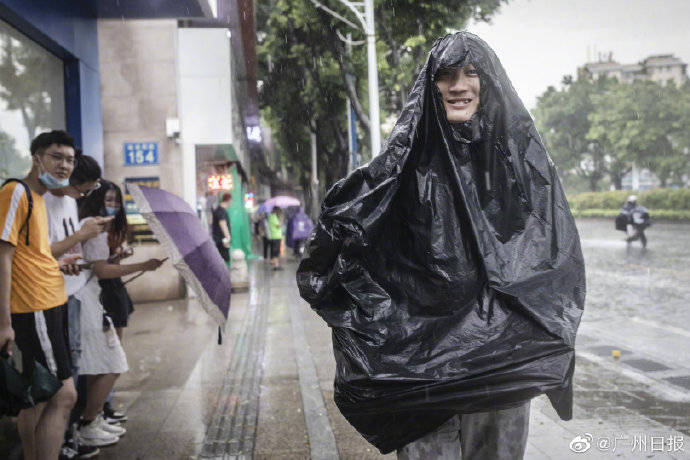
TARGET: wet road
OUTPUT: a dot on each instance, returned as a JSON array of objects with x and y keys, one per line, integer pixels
[
  {"x": 627, "y": 282},
  {"x": 267, "y": 392}
]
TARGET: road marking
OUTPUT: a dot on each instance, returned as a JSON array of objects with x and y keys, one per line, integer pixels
[
  {"x": 664, "y": 327},
  {"x": 657, "y": 388}
]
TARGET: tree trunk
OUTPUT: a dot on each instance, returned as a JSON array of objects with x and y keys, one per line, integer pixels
[{"x": 593, "y": 183}]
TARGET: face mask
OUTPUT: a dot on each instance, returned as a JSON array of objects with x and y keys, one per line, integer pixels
[
  {"x": 51, "y": 182},
  {"x": 111, "y": 211}
]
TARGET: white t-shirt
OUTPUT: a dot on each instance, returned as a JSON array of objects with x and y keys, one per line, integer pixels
[
  {"x": 96, "y": 248},
  {"x": 63, "y": 221}
]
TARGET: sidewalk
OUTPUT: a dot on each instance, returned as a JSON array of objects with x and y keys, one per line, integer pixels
[{"x": 267, "y": 391}]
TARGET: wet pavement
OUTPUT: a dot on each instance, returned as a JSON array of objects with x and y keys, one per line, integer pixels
[{"x": 267, "y": 391}]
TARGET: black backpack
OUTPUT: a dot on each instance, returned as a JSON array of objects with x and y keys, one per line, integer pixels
[{"x": 31, "y": 206}]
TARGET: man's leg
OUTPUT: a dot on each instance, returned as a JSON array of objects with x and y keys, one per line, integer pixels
[
  {"x": 50, "y": 430},
  {"x": 42, "y": 336},
  {"x": 495, "y": 435},
  {"x": 441, "y": 444},
  {"x": 27, "y": 420},
  {"x": 643, "y": 238}
]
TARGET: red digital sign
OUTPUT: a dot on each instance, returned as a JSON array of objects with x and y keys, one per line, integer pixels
[{"x": 220, "y": 182}]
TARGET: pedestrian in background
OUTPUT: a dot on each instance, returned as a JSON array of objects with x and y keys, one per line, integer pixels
[
  {"x": 266, "y": 236},
  {"x": 299, "y": 229},
  {"x": 220, "y": 227},
  {"x": 275, "y": 234}
]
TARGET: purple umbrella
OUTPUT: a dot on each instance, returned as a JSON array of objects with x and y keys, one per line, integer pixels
[
  {"x": 189, "y": 246},
  {"x": 282, "y": 201}
]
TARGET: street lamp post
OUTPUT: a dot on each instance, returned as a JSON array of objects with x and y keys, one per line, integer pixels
[
  {"x": 366, "y": 20},
  {"x": 373, "y": 79}
]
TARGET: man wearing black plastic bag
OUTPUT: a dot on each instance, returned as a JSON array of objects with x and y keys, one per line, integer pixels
[{"x": 450, "y": 270}]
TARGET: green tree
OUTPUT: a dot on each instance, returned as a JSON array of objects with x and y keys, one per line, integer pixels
[
  {"x": 25, "y": 85},
  {"x": 641, "y": 122},
  {"x": 562, "y": 118},
  {"x": 307, "y": 71},
  {"x": 12, "y": 163}
]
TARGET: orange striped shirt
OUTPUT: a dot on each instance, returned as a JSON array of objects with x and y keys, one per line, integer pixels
[{"x": 37, "y": 283}]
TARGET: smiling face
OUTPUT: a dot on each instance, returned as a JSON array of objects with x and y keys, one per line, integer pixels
[{"x": 459, "y": 88}]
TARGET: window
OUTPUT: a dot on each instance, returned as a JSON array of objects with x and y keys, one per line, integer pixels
[{"x": 32, "y": 98}]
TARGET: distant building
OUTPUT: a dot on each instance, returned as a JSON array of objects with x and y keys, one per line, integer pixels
[{"x": 659, "y": 68}]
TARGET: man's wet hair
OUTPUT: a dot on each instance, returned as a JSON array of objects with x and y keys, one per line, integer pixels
[
  {"x": 45, "y": 140},
  {"x": 86, "y": 170},
  {"x": 450, "y": 70}
]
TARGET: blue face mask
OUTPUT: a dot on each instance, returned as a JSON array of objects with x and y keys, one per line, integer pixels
[
  {"x": 111, "y": 211},
  {"x": 51, "y": 182}
]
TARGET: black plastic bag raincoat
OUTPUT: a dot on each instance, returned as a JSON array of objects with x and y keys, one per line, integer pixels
[{"x": 449, "y": 268}]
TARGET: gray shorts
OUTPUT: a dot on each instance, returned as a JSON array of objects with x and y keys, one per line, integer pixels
[
  {"x": 495, "y": 435},
  {"x": 74, "y": 333}
]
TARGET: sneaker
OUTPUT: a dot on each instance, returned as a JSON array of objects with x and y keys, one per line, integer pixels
[
  {"x": 87, "y": 451},
  {"x": 113, "y": 428},
  {"x": 110, "y": 415},
  {"x": 92, "y": 435},
  {"x": 67, "y": 452},
  {"x": 70, "y": 450}
]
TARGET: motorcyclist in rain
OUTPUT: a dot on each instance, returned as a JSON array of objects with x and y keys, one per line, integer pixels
[
  {"x": 637, "y": 220},
  {"x": 450, "y": 270}
]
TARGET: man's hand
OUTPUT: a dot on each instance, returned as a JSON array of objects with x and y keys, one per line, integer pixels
[
  {"x": 6, "y": 338},
  {"x": 6, "y": 331},
  {"x": 69, "y": 264},
  {"x": 93, "y": 227},
  {"x": 226, "y": 241}
]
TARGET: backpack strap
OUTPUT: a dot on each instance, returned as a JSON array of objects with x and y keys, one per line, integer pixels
[{"x": 31, "y": 205}]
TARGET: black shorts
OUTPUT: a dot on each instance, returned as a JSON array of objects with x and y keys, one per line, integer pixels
[
  {"x": 42, "y": 336},
  {"x": 275, "y": 248},
  {"x": 116, "y": 301}
]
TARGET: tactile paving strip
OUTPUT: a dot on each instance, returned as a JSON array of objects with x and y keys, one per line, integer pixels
[{"x": 232, "y": 432}]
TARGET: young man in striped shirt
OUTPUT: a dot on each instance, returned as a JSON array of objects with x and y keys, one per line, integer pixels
[{"x": 32, "y": 290}]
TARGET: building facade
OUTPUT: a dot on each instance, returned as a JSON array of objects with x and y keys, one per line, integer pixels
[
  {"x": 142, "y": 86},
  {"x": 660, "y": 68}
]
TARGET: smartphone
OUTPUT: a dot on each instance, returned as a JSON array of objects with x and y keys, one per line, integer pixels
[{"x": 85, "y": 265}]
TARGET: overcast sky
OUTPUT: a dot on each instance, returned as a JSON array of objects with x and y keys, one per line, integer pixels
[{"x": 539, "y": 41}]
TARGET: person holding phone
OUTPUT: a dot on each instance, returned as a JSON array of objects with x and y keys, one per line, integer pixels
[
  {"x": 103, "y": 358},
  {"x": 66, "y": 237}
]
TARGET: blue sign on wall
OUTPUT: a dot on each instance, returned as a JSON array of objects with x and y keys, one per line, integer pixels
[{"x": 140, "y": 153}]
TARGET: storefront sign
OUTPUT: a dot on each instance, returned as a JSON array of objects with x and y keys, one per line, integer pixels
[
  {"x": 140, "y": 153},
  {"x": 219, "y": 182},
  {"x": 137, "y": 223}
]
